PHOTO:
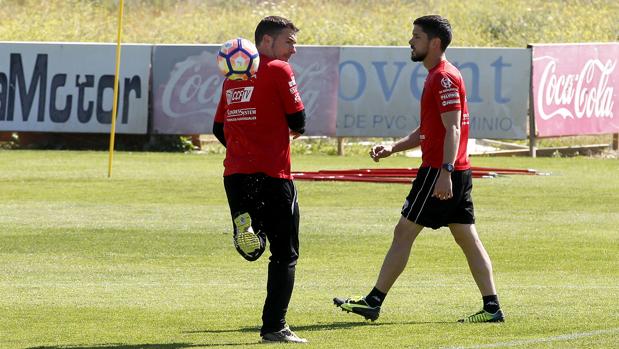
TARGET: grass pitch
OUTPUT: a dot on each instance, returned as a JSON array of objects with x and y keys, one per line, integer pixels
[{"x": 145, "y": 259}]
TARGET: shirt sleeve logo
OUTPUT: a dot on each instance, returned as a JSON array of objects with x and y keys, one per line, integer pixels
[
  {"x": 446, "y": 83},
  {"x": 449, "y": 94},
  {"x": 292, "y": 82},
  {"x": 450, "y": 101}
]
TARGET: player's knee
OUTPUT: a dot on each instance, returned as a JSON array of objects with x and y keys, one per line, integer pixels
[
  {"x": 464, "y": 234},
  {"x": 288, "y": 260},
  {"x": 406, "y": 230}
]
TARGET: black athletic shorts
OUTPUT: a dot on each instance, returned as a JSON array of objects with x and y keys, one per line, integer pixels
[
  {"x": 274, "y": 210},
  {"x": 421, "y": 208}
]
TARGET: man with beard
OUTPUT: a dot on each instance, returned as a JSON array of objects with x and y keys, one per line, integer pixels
[{"x": 441, "y": 193}]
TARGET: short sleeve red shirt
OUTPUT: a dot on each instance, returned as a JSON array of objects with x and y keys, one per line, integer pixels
[
  {"x": 254, "y": 116},
  {"x": 443, "y": 91}
]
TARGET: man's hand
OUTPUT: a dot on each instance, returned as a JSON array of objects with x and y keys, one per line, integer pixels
[
  {"x": 380, "y": 151},
  {"x": 443, "y": 188}
]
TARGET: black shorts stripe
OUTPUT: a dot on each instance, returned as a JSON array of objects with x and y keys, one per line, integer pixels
[
  {"x": 425, "y": 178},
  {"x": 427, "y": 194}
]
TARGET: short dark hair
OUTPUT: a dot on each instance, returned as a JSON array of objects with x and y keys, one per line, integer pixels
[
  {"x": 271, "y": 26},
  {"x": 436, "y": 26}
]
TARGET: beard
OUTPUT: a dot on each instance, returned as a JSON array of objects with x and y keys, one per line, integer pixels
[{"x": 418, "y": 57}]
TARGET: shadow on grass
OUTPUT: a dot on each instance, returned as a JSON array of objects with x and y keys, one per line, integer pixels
[
  {"x": 324, "y": 326},
  {"x": 146, "y": 346},
  {"x": 315, "y": 327}
]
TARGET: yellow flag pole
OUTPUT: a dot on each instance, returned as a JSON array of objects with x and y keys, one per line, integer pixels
[{"x": 116, "y": 78}]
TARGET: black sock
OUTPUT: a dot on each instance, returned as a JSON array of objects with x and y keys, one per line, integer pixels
[
  {"x": 375, "y": 298},
  {"x": 491, "y": 303}
]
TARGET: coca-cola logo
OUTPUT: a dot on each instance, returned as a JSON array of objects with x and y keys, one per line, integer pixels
[
  {"x": 188, "y": 95},
  {"x": 584, "y": 94},
  {"x": 193, "y": 88},
  {"x": 309, "y": 78}
]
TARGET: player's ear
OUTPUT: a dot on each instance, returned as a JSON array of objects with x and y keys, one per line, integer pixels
[
  {"x": 267, "y": 40},
  {"x": 435, "y": 43},
  {"x": 432, "y": 43}
]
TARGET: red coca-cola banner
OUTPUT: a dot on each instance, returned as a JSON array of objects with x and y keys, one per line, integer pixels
[{"x": 575, "y": 89}]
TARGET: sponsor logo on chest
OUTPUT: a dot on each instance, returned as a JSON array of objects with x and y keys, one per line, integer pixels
[{"x": 239, "y": 95}]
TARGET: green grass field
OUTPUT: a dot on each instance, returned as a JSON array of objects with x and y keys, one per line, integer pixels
[
  {"x": 145, "y": 259},
  {"x": 493, "y": 23}
]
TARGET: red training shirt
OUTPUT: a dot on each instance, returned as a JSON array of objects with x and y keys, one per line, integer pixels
[
  {"x": 443, "y": 91},
  {"x": 254, "y": 116}
]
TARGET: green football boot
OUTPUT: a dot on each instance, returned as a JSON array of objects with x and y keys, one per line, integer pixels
[
  {"x": 484, "y": 316},
  {"x": 247, "y": 243},
  {"x": 358, "y": 306}
]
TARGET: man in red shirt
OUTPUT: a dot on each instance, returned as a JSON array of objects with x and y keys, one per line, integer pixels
[
  {"x": 441, "y": 193},
  {"x": 254, "y": 121}
]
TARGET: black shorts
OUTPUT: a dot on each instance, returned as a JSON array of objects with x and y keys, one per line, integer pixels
[
  {"x": 273, "y": 208},
  {"x": 421, "y": 208}
]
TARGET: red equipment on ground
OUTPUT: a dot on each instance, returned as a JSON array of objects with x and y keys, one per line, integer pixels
[{"x": 398, "y": 175}]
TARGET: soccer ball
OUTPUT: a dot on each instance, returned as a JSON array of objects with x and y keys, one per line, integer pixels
[{"x": 238, "y": 59}]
